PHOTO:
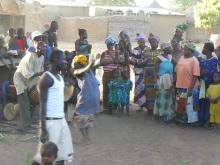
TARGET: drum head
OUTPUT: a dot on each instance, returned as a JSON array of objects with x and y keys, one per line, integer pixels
[
  {"x": 9, "y": 112},
  {"x": 68, "y": 92}
]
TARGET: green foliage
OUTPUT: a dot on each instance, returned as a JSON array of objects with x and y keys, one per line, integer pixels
[
  {"x": 185, "y": 4},
  {"x": 113, "y": 2},
  {"x": 207, "y": 14},
  {"x": 183, "y": 27}
]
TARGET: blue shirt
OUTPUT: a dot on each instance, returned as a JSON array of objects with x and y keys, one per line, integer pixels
[{"x": 88, "y": 99}]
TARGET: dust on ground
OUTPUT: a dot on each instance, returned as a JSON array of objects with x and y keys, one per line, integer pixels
[{"x": 134, "y": 140}]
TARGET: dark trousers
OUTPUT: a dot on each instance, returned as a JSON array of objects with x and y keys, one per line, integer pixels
[
  {"x": 204, "y": 111},
  {"x": 25, "y": 114}
]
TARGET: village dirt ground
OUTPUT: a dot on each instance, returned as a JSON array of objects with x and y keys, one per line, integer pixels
[{"x": 134, "y": 140}]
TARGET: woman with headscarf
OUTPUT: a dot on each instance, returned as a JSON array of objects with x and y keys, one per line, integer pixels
[
  {"x": 109, "y": 70},
  {"x": 144, "y": 78},
  {"x": 88, "y": 99},
  {"x": 187, "y": 74},
  {"x": 208, "y": 67},
  {"x": 164, "y": 106}
]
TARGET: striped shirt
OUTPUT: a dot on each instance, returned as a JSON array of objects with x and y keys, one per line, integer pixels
[{"x": 109, "y": 55}]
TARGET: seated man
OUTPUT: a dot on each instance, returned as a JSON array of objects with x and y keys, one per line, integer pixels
[{"x": 20, "y": 42}]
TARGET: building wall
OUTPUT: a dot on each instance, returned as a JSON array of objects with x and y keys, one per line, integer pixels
[
  {"x": 164, "y": 25},
  {"x": 54, "y": 12},
  {"x": 36, "y": 15},
  {"x": 131, "y": 25},
  {"x": 100, "y": 27},
  {"x": 96, "y": 26},
  {"x": 200, "y": 35}
]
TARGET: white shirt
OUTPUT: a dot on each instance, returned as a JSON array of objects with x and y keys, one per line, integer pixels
[{"x": 55, "y": 98}]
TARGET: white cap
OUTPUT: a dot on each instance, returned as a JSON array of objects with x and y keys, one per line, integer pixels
[{"x": 35, "y": 34}]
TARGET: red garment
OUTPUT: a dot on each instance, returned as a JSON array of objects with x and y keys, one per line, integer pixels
[
  {"x": 181, "y": 105},
  {"x": 21, "y": 43}
]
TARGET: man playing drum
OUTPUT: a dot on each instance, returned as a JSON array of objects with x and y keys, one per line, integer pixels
[{"x": 29, "y": 69}]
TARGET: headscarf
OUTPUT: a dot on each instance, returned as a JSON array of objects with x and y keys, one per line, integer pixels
[
  {"x": 165, "y": 45},
  {"x": 140, "y": 37},
  {"x": 111, "y": 41},
  {"x": 82, "y": 59}
]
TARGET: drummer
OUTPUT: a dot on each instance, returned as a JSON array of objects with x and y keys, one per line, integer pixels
[{"x": 29, "y": 69}]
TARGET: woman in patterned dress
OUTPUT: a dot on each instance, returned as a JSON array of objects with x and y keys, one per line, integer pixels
[
  {"x": 164, "y": 106},
  {"x": 138, "y": 58},
  {"x": 187, "y": 74},
  {"x": 208, "y": 67}
]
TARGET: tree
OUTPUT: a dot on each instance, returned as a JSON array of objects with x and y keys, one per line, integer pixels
[
  {"x": 183, "y": 5},
  {"x": 113, "y": 2},
  {"x": 207, "y": 14}
]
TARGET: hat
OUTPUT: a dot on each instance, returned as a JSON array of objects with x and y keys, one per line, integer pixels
[
  {"x": 140, "y": 37},
  {"x": 36, "y": 34},
  {"x": 81, "y": 59}
]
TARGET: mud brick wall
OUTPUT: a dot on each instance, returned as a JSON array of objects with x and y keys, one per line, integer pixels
[{"x": 97, "y": 28}]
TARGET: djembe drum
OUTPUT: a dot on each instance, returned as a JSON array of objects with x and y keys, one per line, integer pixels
[
  {"x": 34, "y": 96},
  {"x": 10, "y": 111}
]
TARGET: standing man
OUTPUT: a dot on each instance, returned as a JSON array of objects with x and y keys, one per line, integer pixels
[
  {"x": 54, "y": 127},
  {"x": 52, "y": 34},
  {"x": 30, "y": 67}
]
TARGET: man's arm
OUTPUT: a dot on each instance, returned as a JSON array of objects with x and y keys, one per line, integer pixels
[
  {"x": 44, "y": 84},
  {"x": 77, "y": 72}
]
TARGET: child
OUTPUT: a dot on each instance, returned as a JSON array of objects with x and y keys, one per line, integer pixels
[
  {"x": 213, "y": 93},
  {"x": 49, "y": 152},
  {"x": 119, "y": 92},
  {"x": 82, "y": 45},
  {"x": 88, "y": 98}
]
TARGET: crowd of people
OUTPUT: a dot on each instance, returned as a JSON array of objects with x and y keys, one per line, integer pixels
[{"x": 173, "y": 80}]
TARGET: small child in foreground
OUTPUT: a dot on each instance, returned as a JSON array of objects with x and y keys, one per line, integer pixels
[
  {"x": 213, "y": 93},
  {"x": 49, "y": 152}
]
